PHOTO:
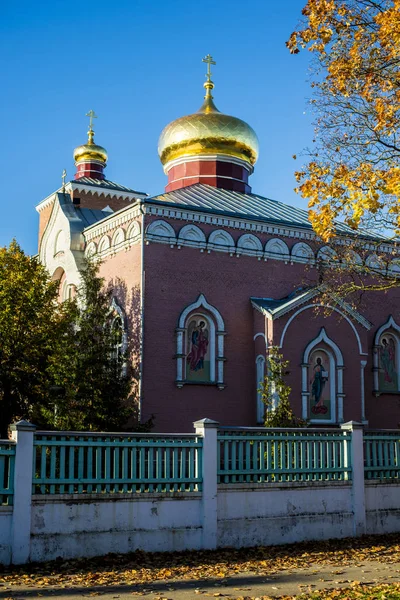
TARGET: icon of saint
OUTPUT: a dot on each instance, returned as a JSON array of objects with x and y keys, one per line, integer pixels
[
  {"x": 198, "y": 349},
  {"x": 317, "y": 387}
]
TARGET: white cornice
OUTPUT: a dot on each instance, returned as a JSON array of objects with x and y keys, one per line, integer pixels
[
  {"x": 113, "y": 221},
  {"x": 185, "y": 214},
  {"x": 72, "y": 186},
  {"x": 106, "y": 192}
]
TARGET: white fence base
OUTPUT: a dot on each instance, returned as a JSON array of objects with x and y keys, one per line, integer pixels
[{"x": 47, "y": 526}]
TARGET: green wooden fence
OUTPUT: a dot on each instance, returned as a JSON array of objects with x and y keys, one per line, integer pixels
[
  {"x": 79, "y": 463},
  {"x": 7, "y": 460},
  {"x": 382, "y": 454},
  {"x": 252, "y": 455}
]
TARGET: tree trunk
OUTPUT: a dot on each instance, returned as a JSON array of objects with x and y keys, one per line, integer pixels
[{"x": 5, "y": 413}]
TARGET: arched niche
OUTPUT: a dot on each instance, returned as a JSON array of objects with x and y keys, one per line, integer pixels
[
  {"x": 250, "y": 244},
  {"x": 90, "y": 249},
  {"x": 60, "y": 242},
  {"x": 322, "y": 381},
  {"x": 118, "y": 238},
  {"x": 327, "y": 255},
  {"x": 133, "y": 231},
  {"x": 302, "y": 252},
  {"x": 278, "y": 249},
  {"x": 104, "y": 244},
  {"x": 221, "y": 240},
  {"x": 200, "y": 345},
  {"x": 191, "y": 235},
  {"x": 161, "y": 231}
]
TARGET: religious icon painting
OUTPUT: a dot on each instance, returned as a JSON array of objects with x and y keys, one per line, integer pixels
[
  {"x": 388, "y": 376},
  {"x": 198, "y": 350},
  {"x": 319, "y": 386}
]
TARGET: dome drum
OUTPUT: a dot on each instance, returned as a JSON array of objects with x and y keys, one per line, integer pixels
[
  {"x": 212, "y": 171},
  {"x": 91, "y": 169}
]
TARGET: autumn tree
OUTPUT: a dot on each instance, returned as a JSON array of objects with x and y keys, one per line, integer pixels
[
  {"x": 33, "y": 331},
  {"x": 275, "y": 393},
  {"x": 353, "y": 173}
]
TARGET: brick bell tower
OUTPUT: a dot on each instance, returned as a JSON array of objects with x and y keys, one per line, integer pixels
[{"x": 208, "y": 147}]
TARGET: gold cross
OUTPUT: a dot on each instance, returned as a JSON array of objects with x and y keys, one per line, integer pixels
[
  {"x": 92, "y": 115},
  {"x": 209, "y": 60},
  {"x": 63, "y": 176}
]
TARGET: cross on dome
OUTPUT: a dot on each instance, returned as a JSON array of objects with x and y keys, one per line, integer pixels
[
  {"x": 209, "y": 85},
  {"x": 92, "y": 115},
  {"x": 209, "y": 60}
]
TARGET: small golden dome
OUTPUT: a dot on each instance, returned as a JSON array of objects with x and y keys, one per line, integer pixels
[
  {"x": 208, "y": 131},
  {"x": 90, "y": 151}
]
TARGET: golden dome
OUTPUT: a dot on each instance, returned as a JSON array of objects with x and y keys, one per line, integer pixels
[
  {"x": 208, "y": 131},
  {"x": 90, "y": 151}
]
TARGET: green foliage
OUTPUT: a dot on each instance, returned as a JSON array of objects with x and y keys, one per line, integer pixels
[
  {"x": 33, "y": 330},
  {"x": 95, "y": 394},
  {"x": 58, "y": 362},
  {"x": 275, "y": 393}
]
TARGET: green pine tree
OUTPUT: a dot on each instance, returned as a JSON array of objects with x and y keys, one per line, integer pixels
[
  {"x": 97, "y": 394},
  {"x": 33, "y": 330}
]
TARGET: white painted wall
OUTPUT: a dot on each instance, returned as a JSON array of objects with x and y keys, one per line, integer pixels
[
  {"x": 264, "y": 514},
  {"x": 382, "y": 505},
  {"x": 5, "y": 534},
  {"x": 72, "y": 527},
  {"x": 41, "y": 528}
]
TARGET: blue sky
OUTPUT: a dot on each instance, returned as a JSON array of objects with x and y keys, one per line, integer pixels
[{"x": 138, "y": 64}]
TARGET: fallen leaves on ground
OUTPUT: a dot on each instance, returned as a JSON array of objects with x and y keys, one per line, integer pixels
[
  {"x": 143, "y": 568},
  {"x": 363, "y": 592}
]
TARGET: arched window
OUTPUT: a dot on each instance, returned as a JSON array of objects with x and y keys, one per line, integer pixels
[
  {"x": 117, "y": 335},
  {"x": 69, "y": 291},
  {"x": 386, "y": 357},
  {"x": 118, "y": 329},
  {"x": 200, "y": 345}
]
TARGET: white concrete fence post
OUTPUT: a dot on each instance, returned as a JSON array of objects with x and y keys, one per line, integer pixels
[
  {"x": 22, "y": 432},
  {"x": 357, "y": 478},
  {"x": 208, "y": 429}
]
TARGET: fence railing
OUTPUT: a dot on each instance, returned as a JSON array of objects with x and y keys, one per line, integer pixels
[
  {"x": 382, "y": 454},
  {"x": 74, "y": 463},
  {"x": 7, "y": 460},
  {"x": 251, "y": 455}
]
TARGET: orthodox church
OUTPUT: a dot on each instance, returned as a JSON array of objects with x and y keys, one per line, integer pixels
[{"x": 208, "y": 275}]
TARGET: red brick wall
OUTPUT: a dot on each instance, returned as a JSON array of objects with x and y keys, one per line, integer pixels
[
  {"x": 99, "y": 202},
  {"x": 44, "y": 217},
  {"x": 175, "y": 278}
]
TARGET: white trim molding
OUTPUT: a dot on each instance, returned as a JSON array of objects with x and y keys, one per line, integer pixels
[
  {"x": 218, "y": 332},
  {"x": 334, "y": 308},
  {"x": 363, "y": 364},
  {"x": 260, "y": 376}
]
